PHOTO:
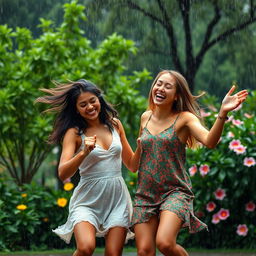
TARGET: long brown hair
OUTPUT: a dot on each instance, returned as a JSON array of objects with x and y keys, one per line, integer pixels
[
  {"x": 186, "y": 101},
  {"x": 62, "y": 100}
]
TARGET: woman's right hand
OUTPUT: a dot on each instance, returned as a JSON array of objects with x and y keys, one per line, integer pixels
[{"x": 89, "y": 144}]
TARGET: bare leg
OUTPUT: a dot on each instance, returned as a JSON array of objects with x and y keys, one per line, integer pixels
[
  {"x": 115, "y": 241},
  {"x": 85, "y": 239},
  {"x": 167, "y": 232},
  {"x": 145, "y": 234}
]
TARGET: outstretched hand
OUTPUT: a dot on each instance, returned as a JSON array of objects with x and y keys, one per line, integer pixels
[{"x": 231, "y": 102}]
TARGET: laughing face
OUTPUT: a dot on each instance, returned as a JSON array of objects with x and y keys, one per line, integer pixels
[
  {"x": 88, "y": 106},
  {"x": 164, "y": 90}
]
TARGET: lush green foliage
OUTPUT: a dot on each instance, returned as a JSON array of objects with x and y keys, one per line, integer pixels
[
  {"x": 62, "y": 53},
  {"x": 28, "y": 214},
  {"x": 228, "y": 168}
]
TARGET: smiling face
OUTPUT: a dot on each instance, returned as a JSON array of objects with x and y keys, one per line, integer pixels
[
  {"x": 164, "y": 90},
  {"x": 88, "y": 106}
]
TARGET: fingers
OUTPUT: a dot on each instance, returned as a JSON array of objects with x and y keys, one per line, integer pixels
[
  {"x": 90, "y": 142},
  {"x": 232, "y": 89}
]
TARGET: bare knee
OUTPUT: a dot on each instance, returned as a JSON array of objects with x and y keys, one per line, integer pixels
[
  {"x": 166, "y": 246},
  {"x": 85, "y": 250},
  {"x": 145, "y": 251}
]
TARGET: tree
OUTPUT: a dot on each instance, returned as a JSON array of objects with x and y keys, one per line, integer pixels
[
  {"x": 203, "y": 26},
  {"x": 61, "y": 53}
]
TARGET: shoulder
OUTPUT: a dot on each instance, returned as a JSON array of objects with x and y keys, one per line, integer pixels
[
  {"x": 186, "y": 117},
  {"x": 118, "y": 125},
  {"x": 145, "y": 116},
  {"x": 71, "y": 134}
]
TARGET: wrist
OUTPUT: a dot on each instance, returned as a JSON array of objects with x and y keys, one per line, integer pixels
[{"x": 222, "y": 117}]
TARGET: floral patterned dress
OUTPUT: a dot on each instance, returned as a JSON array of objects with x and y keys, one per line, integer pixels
[{"x": 163, "y": 183}]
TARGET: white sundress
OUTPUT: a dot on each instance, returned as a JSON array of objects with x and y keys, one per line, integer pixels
[{"x": 101, "y": 196}]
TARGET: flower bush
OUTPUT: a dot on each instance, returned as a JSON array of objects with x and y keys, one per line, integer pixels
[
  {"x": 224, "y": 181},
  {"x": 29, "y": 213}
]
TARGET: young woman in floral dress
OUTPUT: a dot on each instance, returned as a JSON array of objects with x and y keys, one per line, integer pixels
[{"x": 163, "y": 203}]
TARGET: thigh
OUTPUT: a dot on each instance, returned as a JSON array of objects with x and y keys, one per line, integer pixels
[
  {"x": 114, "y": 241},
  {"x": 169, "y": 226},
  {"x": 85, "y": 234},
  {"x": 145, "y": 234}
]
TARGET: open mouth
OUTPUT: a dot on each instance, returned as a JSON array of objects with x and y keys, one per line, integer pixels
[{"x": 160, "y": 97}]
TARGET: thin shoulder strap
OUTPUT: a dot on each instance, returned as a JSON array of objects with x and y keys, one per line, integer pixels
[
  {"x": 176, "y": 119},
  {"x": 148, "y": 120}
]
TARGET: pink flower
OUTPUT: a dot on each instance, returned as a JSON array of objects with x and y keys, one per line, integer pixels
[
  {"x": 240, "y": 150},
  {"x": 249, "y": 161},
  {"x": 204, "y": 169},
  {"x": 210, "y": 206},
  {"x": 230, "y": 135},
  {"x": 223, "y": 214},
  {"x": 215, "y": 218},
  {"x": 250, "y": 207},
  {"x": 248, "y": 115},
  {"x": 237, "y": 122},
  {"x": 242, "y": 230},
  {"x": 192, "y": 170},
  {"x": 220, "y": 194},
  {"x": 204, "y": 114},
  {"x": 234, "y": 144}
]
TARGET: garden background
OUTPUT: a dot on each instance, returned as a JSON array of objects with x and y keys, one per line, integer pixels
[{"x": 121, "y": 45}]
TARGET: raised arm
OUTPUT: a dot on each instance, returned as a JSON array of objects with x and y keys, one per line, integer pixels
[
  {"x": 211, "y": 138},
  {"x": 69, "y": 162}
]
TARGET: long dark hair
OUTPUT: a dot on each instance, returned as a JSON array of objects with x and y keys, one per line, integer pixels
[{"x": 63, "y": 100}]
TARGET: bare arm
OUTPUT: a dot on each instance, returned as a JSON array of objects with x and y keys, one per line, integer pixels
[
  {"x": 130, "y": 159},
  {"x": 211, "y": 138},
  {"x": 69, "y": 162}
]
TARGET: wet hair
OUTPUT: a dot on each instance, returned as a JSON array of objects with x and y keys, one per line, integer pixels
[
  {"x": 63, "y": 99},
  {"x": 186, "y": 101}
]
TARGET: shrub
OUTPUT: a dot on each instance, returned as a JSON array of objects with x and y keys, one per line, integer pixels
[{"x": 224, "y": 181}]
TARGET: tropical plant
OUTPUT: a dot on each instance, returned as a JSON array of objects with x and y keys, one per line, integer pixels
[
  {"x": 224, "y": 180},
  {"x": 62, "y": 53}
]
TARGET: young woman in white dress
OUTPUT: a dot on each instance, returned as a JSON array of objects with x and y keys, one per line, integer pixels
[{"x": 93, "y": 140}]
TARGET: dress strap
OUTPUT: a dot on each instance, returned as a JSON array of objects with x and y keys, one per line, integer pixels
[
  {"x": 176, "y": 119},
  {"x": 148, "y": 120}
]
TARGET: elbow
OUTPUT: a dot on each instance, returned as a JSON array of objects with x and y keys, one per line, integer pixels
[
  {"x": 211, "y": 146},
  {"x": 61, "y": 175}
]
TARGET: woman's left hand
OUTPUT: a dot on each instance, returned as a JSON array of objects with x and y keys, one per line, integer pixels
[{"x": 230, "y": 102}]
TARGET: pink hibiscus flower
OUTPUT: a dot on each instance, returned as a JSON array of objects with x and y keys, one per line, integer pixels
[
  {"x": 204, "y": 169},
  {"x": 220, "y": 194},
  {"x": 249, "y": 161},
  {"x": 234, "y": 144},
  {"x": 210, "y": 206},
  {"x": 192, "y": 170},
  {"x": 215, "y": 218},
  {"x": 242, "y": 230},
  {"x": 250, "y": 206},
  {"x": 223, "y": 214}
]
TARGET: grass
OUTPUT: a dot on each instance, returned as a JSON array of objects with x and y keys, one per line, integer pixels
[{"x": 126, "y": 249}]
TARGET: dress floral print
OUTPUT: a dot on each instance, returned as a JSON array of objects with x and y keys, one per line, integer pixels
[{"x": 163, "y": 183}]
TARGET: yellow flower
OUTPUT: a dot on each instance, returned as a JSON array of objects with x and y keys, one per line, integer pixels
[
  {"x": 24, "y": 195},
  {"x": 131, "y": 183},
  {"x": 68, "y": 186},
  {"x": 45, "y": 219},
  {"x": 21, "y": 207},
  {"x": 62, "y": 202}
]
